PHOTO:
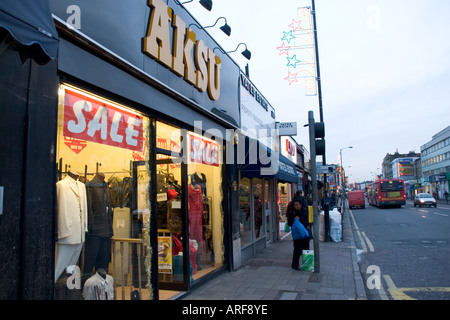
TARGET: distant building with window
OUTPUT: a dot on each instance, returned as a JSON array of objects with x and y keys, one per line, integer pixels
[
  {"x": 390, "y": 169},
  {"x": 436, "y": 164},
  {"x": 403, "y": 166}
]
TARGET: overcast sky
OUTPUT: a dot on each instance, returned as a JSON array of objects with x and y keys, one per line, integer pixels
[{"x": 385, "y": 70}]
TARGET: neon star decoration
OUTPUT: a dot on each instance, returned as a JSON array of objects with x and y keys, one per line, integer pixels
[
  {"x": 283, "y": 49},
  {"x": 296, "y": 61},
  {"x": 288, "y": 36},
  {"x": 301, "y": 64},
  {"x": 296, "y": 25},
  {"x": 292, "y": 77}
]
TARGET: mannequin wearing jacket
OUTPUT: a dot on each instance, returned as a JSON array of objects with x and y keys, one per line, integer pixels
[
  {"x": 72, "y": 221},
  {"x": 98, "y": 242}
]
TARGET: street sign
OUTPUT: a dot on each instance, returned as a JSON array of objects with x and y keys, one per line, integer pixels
[
  {"x": 325, "y": 169},
  {"x": 287, "y": 128}
]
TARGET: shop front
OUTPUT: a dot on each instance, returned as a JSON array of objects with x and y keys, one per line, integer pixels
[
  {"x": 261, "y": 167},
  {"x": 147, "y": 123},
  {"x": 262, "y": 196},
  {"x": 137, "y": 189},
  {"x": 126, "y": 195},
  {"x": 287, "y": 189}
]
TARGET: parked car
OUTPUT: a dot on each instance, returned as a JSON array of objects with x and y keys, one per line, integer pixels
[
  {"x": 425, "y": 199},
  {"x": 356, "y": 199}
]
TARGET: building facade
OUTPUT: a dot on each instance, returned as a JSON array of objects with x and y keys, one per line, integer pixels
[
  {"x": 436, "y": 164},
  {"x": 116, "y": 161}
]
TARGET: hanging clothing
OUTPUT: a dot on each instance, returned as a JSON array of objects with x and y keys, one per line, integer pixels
[
  {"x": 71, "y": 211},
  {"x": 195, "y": 214},
  {"x": 72, "y": 219},
  {"x": 98, "y": 242},
  {"x": 199, "y": 178},
  {"x": 66, "y": 255},
  {"x": 99, "y": 207}
]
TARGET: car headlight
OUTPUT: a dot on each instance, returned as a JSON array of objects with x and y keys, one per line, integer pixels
[{"x": 421, "y": 200}]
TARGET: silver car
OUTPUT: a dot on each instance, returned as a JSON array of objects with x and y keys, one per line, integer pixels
[{"x": 425, "y": 199}]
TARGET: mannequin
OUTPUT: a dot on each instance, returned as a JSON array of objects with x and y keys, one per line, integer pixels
[
  {"x": 102, "y": 273},
  {"x": 99, "y": 287},
  {"x": 98, "y": 243},
  {"x": 72, "y": 221},
  {"x": 195, "y": 214}
]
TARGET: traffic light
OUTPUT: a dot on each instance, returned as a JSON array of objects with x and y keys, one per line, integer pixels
[{"x": 319, "y": 132}]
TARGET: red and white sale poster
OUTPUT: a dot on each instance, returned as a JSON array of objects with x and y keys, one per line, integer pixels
[
  {"x": 204, "y": 151},
  {"x": 90, "y": 119}
]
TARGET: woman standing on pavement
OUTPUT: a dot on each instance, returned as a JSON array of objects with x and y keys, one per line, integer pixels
[{"x": 299, "y": 211}]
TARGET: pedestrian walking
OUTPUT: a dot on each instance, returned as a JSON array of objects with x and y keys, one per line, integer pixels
[
  {"x": 299, "y": 211},
  {"x": 446, "y": 196}
]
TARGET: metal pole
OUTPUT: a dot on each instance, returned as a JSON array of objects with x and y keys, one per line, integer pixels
[
  {"x": 342, "y": 184},
  {"x": 312, "y": 146},
  {"x": 319, "y": 88}
]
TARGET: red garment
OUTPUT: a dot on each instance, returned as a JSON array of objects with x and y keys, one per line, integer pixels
[
  {"x": 171, "y": 194},
  {"x": 195, "y": 215}
]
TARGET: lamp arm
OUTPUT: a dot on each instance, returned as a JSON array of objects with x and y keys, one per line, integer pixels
[
  {"x": 216, "y": 22},
  {"x": 238, "y": 47}
]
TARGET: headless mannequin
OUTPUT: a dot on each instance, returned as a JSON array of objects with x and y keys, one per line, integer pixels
[
  {"x": 73, "y": 175},
  {"x": 102, "y": 273}
]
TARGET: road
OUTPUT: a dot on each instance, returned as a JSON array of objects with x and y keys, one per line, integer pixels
[{"x": 404, "y": 252}]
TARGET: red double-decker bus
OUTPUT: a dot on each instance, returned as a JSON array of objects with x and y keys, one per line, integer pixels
[{"x": 386, "y": 192}]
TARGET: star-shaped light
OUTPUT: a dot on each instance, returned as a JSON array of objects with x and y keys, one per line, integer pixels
[
  {"x": 292, "y": 77},
  {"x": 294, "y": 58},
  {"x": 288, "y": 36},
  {"x": 283, "y": 49},
  {"x": 295, "y": 25}
]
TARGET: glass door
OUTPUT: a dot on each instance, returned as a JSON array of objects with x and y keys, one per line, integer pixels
[
  {"x": 173, "y": 262},
  {"x": 268, "y": 211}
]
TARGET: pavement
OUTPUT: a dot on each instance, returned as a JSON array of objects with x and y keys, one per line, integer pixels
[{"x": 269, "y": 276}]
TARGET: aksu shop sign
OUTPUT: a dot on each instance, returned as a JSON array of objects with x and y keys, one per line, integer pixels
[
  {"x": 94, "y": 120},
  {"x": 176, "y": 47}
]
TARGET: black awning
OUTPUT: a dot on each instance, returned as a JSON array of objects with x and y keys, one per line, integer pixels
[
  {"x": 274, "y": 165},
  {"x": 28, "y": 24}
]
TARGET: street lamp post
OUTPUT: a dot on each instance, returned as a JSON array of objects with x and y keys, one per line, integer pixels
[{"x": 343, "y": 178}]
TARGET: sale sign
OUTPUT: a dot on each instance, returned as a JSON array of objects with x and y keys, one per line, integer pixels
[
  {"x": 204, "y": 151},
  {"x": 74, "y": 144},
  {"x": 91, "y": 119}
]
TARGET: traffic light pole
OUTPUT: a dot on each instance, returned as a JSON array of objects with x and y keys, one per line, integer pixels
[
  {"x": 312, "y": 147},
  {"x": 324, "y": 162}
]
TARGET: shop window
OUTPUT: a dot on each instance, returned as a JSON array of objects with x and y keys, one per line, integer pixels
[
  {"x": 102, "y": 200},
  {"x": 245, "y": 211},
  {"x": 252, "y": 208},
  {"x": 267, "y": 207},
  {"x": 258, "y": 207},
  {"x": 203, "y": 181},
  {"x": 104, "y": 205},
  {"x": 205, "y": 204},
  {"x": 284, "y": 193}
]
